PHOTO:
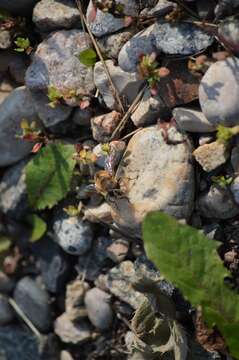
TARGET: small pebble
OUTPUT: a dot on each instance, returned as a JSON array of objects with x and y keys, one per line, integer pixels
[
  {"x": 210, "y": 156},
  {"x": 97, "y": 303}
]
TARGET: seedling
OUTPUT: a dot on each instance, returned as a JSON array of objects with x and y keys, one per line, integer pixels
[
  {"x": 110, "y": 6},
  {"x": 23, "y": 45},
  {"x": 54, "y": 96},
  {"x": 225, "y": 134},
  {"x": 31, "y": 133},
  {"x": 149, "y": 70},
  {"x": 222, "y": 181}
]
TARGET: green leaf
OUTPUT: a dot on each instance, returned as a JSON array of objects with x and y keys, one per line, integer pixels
[
  {"x": 88, "y": 57},
  {"x": 22, "y": 44},
  {"x": 189, "y": 259},
  {"x": 4, "y": 249},
  {"x": 38, "y": 227},
  {"x": 48, "y": 175}
]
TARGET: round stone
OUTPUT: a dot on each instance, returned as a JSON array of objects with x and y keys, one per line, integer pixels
[
  {"x": 155, "y": 173},
  {"x": 219, "y": 93},
  {"x": 73, "y": 234}
]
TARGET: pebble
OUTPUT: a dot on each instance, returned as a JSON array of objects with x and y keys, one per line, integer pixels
[
  {"x": 17, "y": 106},
  {"x": 17, "y": 343},
  {"x": 235, "y": 190},
  {"x": 65, "y": 355},
  {"x": 148, "y": 110},
  {"x": 141, "y": 43},
  {"x": 70, "y": 332},
  {"x": 99, "y": 310},
  {"x": 235, "y": 159},
  {"x": 6, "y": 311},
  {"x": 205, "y": 139},
  {"x": 5, "y": 39},
  {"x": 103, "y": 126},
  {"x": 6, "y": 284},
  {"x": 13, "y": 200},
  {"x": 119, "y": 280},
  {"x": 111, "y": 44},
  {"x": 73, "y": 234},
  {"x": 91, "y": 265},
  {"x": 56, "y": 63},
  {"x": 210, "y": 156},
  {"x": 118, "y": 250},
  {"x": 98, "y": 213},
  {"x": 228, "y": 33},
  {"x": 192, "y": 120},
  {"x": 103, "y": 23},
  {"x": 49, "y": 15},
  {"x": 180, "y": 38},
  {"x": 33, "y": 300},
  {"x": 48, "y": 115},
  {"x": 150, "y": 160},
  {"x": 127, "y": 84},
  {"x": 217, "y": 203},
  {"x": 75, "y": 293},
  {"x": 219, "y": 92},
  {"x": 54, "y": 265}
]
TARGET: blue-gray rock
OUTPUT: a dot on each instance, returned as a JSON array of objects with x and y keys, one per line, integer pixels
[
  {"x": 142, "y": 43},
  {"x": 18, "y": 343},
  {"x": 6, "y": 311},
  {"x": 54, "y": 264},
  {"x": 33, "y": 300},
  {"x": 56, "y": 63},
  {"x": 98, "y": 307},
  {"x": 74, "y": 235},
  {"x": 180, "y": 38},
  {"x": 219, "y": 93},
  {"x": 82, "y": 116},
  {"x": 102, "y": 23},
  {"x": 192, "y": 120},
  {"x": 13, "y": 200},
  {"x": 17, "y": 106},
  {"x": 49, "y": 116},
  {"x": 20, "y": 7},
  {"x": 49, "y": 15}
]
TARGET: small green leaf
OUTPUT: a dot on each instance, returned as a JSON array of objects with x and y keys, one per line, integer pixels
[
  {"x": 48, "y": 175},
  {"x": 88, "y": 57},
  {"x": 22, "y": 44},
  {"x": 189, "y": 259},
  {"x": 39, "y": 227}
]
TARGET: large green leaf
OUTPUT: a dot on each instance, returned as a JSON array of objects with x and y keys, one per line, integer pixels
[
  {"x": 190, "y": 261},
  {"x": 48, "y": 175}
]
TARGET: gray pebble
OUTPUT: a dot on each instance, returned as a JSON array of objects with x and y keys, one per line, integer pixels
[
  {"x": 49, "y": 15},
  {"x": 73, "y": 234},
  {"x": 34, "y": 302},
  {"x": 192, "y": 120},
  {"x": 97, "y": 303},
  {"x": 219, "y": 93}
]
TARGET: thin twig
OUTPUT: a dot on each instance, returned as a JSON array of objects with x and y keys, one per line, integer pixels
[
  {"x": 129, "y": 112},
  {"x": 187, "y": 9},
  {"x": 25, "y": 318},
  {"x": 112, "y": 85}
]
